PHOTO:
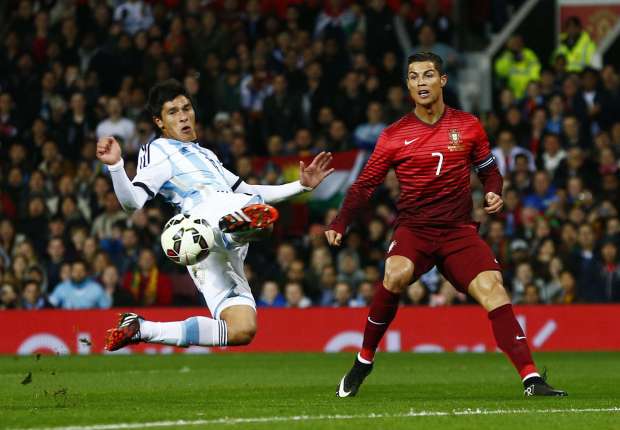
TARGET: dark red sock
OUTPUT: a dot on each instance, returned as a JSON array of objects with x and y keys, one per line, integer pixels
[
  {"x": 511, "y": 339},
  {"x": 382, "y": 311}
]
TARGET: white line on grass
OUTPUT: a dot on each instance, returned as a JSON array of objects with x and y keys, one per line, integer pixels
[{"x": 410, "y": 414}]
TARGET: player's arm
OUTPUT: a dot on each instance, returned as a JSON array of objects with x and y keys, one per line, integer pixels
[
  {"x": 309, "y": 178},
  {"x": 131, "y": 195},
  {"x": 356, "y": 200},
  {"x": 486, "y": 168}
]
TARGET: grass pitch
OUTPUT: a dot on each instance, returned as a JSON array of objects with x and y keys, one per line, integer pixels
[{"x": 297, "y": 391}]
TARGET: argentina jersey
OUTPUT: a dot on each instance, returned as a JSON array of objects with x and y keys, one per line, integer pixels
[{"x": 183, "y": 173}]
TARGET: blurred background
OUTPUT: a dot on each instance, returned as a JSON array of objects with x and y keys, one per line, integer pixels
[{"x": 276, "y": 80}]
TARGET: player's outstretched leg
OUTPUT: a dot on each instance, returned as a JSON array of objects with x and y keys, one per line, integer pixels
[
  {"x": 398, "y": 274},
  {"x": 248, "y": 218},
  {"x": 488, "y": 290},
  {"x": 132, "y": 328}
]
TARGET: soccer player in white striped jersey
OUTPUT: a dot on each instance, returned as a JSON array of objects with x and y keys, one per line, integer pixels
[{"x": 195, "y": 181}]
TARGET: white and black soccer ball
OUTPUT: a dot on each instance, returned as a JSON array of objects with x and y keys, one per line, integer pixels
[{"x": 187, "y": 239}]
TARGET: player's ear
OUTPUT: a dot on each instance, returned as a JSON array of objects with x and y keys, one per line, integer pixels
[
  {"x": 158, "y": 122},
  {"x": 443, "y": 79}
]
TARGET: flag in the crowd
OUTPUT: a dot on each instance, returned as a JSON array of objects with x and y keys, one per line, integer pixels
[{"x": 347, "y": 166}]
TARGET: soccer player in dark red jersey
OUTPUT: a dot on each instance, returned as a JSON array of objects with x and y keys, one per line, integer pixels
[{"x": 432, "y": 150}]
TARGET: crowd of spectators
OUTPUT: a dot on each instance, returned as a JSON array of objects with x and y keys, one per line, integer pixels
[{"x": 277, "y": 78}]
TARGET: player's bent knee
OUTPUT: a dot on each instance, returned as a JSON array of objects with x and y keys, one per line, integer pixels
[
  {"x": 398, "y": 273},
  {"x": 241, "y": 333},
  {"x": 488, "y": 289}
]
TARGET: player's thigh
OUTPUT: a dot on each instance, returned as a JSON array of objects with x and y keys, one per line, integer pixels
[
  {"x": 488, "y": 290},
  {"x": 221, "y": 281},
  {"x": 463, "y": 255},
  {"x": 408, "y": 258}
]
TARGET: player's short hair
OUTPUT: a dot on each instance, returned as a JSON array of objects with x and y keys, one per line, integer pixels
[
  {"x": 419, "y": 57},
  {"x": 163, "y": 92}
]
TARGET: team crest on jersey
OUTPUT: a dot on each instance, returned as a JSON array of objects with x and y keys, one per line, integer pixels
[{"x": 455, "y": 141}]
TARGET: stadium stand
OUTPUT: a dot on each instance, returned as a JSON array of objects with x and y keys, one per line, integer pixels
[{"x": 276, "y": 79}]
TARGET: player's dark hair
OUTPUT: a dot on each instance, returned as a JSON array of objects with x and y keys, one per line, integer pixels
[
  {"x": 163, "y": 92},
  {"x": 419, "y": 57}
]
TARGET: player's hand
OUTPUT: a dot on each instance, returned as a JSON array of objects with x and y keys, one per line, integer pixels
[
  {"x": 311, "y": 176},
  {"x": 333, "y": 237},
  {"x": 108, "y": 150},
  {"x": 494, "y": 203}
]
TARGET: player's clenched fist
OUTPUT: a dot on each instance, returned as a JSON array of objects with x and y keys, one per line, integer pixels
[
  {"x": 494, "y": 203},
  {"x": 333, "y": 237},
  {"x": 108, "y": 150}
]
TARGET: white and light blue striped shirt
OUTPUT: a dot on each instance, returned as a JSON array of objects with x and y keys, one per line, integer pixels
[{"x": 181, "y": 172}]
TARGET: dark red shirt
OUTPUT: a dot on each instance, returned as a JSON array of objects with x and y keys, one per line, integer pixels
[{"x": 433, "y": 165}]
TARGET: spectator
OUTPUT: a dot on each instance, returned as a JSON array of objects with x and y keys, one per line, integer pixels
[
  {"x": 102, "y": 225},
  {"x": 366, "y": 134},
  {"x": 281, "y": 111},
  {"x": 610, "y": 272},
  {"x": 338, "y": 138},
  {"x": 365, "y": 293},
  {"x": 135, "y": 15},
  {"x": 396, "y": 105},
  {"x": 506, "y": 152},
  {"x": 146, "y": 284},
  {"x": 270, "y": 296},
  {"x": 110, "y": 280},
  {"x": 343, "y": 295},
  {"x": 569, "y": 288},
  {"x": 440, "y": 22},
  {"x": 32, "y": 297},
  {"x": 544, "y": 194},
  {"x": 427, "y": 42},
  {"x": 294, "y": 294},
  {"x": 531, "y": 295},
  {"x": 9, "y": 299},
  {"x": 552, "y": 155},
  {"x": 79, "y": 292},
  {"x": 585, "y": 264},
  {"x": 116, "y": 124},
  {"x": 518, "y": 66},
  {"x": 350, "y": 101},
  {"x": 576, "y": 45},
  {"x": 417, "y": 294}
]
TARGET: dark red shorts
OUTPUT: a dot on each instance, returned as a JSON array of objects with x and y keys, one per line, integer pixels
[{"x": 459, "y": 252}]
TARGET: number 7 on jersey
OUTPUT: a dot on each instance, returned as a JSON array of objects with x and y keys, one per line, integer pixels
[{"x": 440, "y": 155}]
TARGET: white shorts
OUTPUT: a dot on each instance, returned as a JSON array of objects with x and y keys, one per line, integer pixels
[{"x": 220, "y": 277}]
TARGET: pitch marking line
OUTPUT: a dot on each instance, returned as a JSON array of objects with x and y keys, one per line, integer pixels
[{"x": 301, "y": 418}]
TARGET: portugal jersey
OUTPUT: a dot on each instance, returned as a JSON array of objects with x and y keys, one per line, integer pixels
[
  {"x": 433, "y": 164},
  {"x": 182, "y": 172}
]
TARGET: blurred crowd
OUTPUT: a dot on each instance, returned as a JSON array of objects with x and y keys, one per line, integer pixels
[{"x": 274, "y": 78}]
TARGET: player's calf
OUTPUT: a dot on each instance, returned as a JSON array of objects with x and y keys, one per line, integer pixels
[{"x": 241, "y": 322}]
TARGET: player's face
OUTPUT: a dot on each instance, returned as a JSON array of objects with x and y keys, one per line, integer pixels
[
  {"x": 424, "y": 82},
  {"x": 178, "y": 119}
]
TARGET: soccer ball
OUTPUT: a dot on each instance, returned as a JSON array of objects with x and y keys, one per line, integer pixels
[{"x": 186, "y": 239}]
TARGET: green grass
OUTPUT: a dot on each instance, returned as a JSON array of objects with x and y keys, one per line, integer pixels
[{"x": 88, "y": 390}]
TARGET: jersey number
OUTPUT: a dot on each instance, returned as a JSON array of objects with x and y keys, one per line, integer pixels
[{"x": 440, "y": 155}]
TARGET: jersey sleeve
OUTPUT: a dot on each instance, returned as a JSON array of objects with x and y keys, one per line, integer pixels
[
  {"x": 370, "y": 178},
  {"x": 485, "y": 164},
  {"x": 154, "y": 168}
]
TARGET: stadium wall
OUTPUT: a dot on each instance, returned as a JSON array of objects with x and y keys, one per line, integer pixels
[{"x": 460, "y": 329}]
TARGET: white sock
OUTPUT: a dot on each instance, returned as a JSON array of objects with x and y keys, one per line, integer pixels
[
  {"x": 201, "y": 331},
  {"x": 362, "y": 360}
]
